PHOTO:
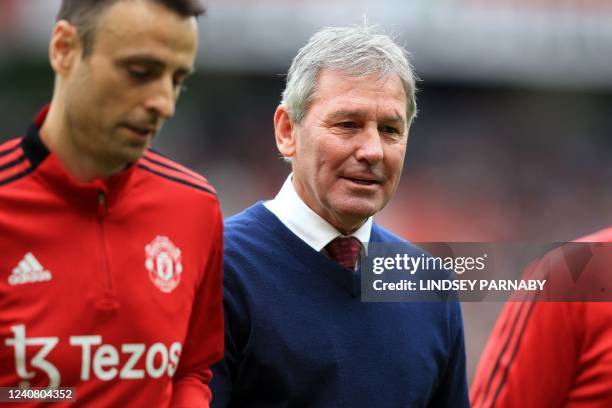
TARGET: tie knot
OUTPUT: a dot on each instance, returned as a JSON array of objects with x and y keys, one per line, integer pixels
[{"x": 344, "y": 250}]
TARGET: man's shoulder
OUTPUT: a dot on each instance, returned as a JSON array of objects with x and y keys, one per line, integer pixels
[
  {"x": 248, "y": 222},
  {"x": 174, "y": 176},
  {"x": 14, "y": 163},
  {"x": 9, "y": 144},
  {"x": 381, "y": 234},
  {"x": 256, "y": 231}
]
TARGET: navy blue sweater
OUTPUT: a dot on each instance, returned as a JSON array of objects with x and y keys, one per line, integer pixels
[{"x": 297, "y": 334}]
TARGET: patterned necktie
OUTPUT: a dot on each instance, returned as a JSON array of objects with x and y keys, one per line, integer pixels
[{"x": 344, "y": 250}]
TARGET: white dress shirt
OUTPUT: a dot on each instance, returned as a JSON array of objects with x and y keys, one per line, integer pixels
[{"x": 307, "y": 224}]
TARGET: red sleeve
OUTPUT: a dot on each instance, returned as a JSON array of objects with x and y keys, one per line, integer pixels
[
  {"x": 530, "y": 358},
  {"x": 204, "y": 343}
]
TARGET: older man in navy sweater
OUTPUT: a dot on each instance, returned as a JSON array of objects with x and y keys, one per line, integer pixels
[{"x": 297, "y": 334}]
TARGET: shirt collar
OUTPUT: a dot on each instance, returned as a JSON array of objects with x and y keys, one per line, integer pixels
[
  {"x": 309, "y": 226},
  {"x": 51, "y": 171}
]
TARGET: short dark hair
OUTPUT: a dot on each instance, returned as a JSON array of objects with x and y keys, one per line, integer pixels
[{"x": 84, "y": 14}]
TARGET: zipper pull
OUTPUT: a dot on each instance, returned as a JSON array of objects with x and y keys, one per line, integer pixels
[{"x": 101, "y": 203}]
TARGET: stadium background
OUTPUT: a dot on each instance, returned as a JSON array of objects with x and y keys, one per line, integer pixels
[{"x": 513, "y": 138}]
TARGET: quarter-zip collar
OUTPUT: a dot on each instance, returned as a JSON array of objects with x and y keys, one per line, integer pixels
[{"x": 50, "y": 171}]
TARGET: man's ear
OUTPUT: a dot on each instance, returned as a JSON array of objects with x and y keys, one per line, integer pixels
[
  {"x": 64, "y": 47},
  {"x": 284, "y": 130}
]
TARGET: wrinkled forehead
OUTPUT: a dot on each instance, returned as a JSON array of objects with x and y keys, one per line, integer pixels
[
  {"x": 336, "y": 88},
  {"x": 337, "y": 83}
]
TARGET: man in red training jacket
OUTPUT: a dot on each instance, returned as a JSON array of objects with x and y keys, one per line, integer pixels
[
  {"x": 110, "y": 274},
  {"x": 558, "y": 353}
]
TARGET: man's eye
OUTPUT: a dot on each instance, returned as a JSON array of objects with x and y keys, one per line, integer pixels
[
  {"x": 389, "y": 129},
  {"x": 347, "y": 125},
  {"x": 139, "y": 73}
]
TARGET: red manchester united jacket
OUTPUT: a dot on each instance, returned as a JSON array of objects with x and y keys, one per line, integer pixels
[
  {"x": 554, "y": 354},
  {"x": 113, "y": 286}
]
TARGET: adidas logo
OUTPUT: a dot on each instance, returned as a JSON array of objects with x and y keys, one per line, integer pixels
[{"x": 29, "y": 270}]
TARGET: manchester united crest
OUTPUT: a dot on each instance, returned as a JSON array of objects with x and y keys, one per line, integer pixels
[{"x": 163, "y": 262}]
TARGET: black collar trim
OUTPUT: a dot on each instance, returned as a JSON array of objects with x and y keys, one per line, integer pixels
[{"x": 33, "y": 147}]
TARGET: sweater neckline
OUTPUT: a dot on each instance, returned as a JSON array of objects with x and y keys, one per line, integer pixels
[{"x": 315, "y": 261}]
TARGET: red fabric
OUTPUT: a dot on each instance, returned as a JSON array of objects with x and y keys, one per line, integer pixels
[
  {"x": 551, "y": 354},
  {"x": 110, "y": 329},
  {"x": 344, "y": 250}
]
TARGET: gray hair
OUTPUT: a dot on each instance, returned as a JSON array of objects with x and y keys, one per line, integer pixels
[{"x": 358, "y": 51}]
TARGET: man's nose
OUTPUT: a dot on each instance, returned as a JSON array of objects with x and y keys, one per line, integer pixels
[
  {"x": 162, "y": 99},
  {"x": 370, "y": 147}
]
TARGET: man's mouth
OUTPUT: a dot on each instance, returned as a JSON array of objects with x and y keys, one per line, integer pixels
[
  {"x": 364, "y": 181},
  {"x": 143, "y": 131}
]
